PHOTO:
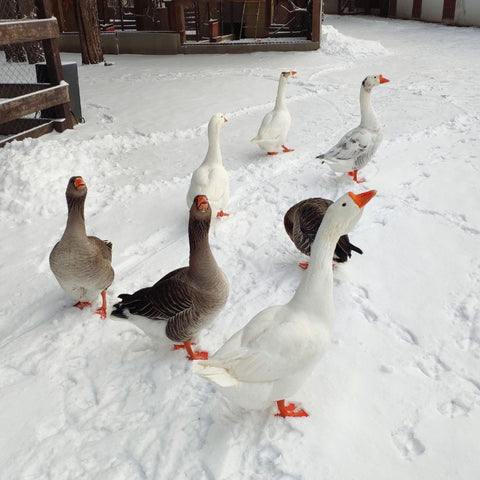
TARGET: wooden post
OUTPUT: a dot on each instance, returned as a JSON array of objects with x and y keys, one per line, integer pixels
[
  {"x": 316, "y": 20},
  {"x": 87, "y": 20},
  {"x": 54, "y": 66}
]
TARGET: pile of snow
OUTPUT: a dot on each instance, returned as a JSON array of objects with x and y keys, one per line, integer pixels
[{"x": 336, "y": 43}]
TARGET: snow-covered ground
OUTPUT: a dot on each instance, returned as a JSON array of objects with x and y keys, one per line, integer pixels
[{"x": 397, "y": 395}]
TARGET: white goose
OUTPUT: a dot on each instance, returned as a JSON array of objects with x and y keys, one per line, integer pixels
[
  {"x": 272, "y": 134},
  {"x": 211, "y": 178},
  {"x": 272, "y": 356},
  {"x": 357, "y": 147}
]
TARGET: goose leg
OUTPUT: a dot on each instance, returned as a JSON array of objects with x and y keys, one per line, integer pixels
[
  {"x": 221, "y": 213},
  {"x": 286, "y": 150},
  {"x": 354, "y": 175},
  {"x": 191, "y": 354},
  {"x": 102, "y": 311},
  {"x": 289, "y": 410},
  {"x": 272, "y": 153},
  {"x": 82, "y": 305},
  {"x": 303, "y": 265}
]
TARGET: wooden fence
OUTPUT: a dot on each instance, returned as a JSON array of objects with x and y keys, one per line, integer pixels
[{"x": 29, "y": 98}]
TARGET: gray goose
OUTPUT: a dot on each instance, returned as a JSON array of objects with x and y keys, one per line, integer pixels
[
  {"x": 357, "y": 147},
  {"x": 188, "y": 298},
  {"x": 301, "y": 223},
  {"x": 81, "y": 264}
]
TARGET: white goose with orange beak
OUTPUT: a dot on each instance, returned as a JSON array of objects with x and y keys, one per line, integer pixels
[
  {"x": 211, "y": 178},
  {"x": 272, "y": 356},
  {"x": 272, "y": 134},
  {"x": 357, "y": 147}
]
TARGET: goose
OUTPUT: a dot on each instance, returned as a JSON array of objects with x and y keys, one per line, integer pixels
[
  {"x": 272, "y": 134},
  {"x": 272, "y": 356},
  {"x": 357, "y": 147},
  {"x": 81, "y": 264},
  {"x": 301, "y": 224},
  {"x": 187, "y": 299},
  {"x": 211, "y": 178}
]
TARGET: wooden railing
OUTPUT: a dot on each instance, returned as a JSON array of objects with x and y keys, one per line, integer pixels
[{"x": 32, "y": 98}]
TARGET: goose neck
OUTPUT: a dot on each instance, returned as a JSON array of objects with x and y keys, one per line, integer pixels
[
  {"x": 214, "y": 154},
  {"x": 76, "y": 218},
  {"x": 316, "y": 288},
  {"x": 280, "y": 100},
  {"x": 368, "y": 116},
  {"x": 201, "y": 257}
]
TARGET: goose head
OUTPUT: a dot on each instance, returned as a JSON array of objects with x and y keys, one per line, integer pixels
[
  {"x": 344, "y": 213},
  {"x": 372, "y": 81},
  {"x": 199, "y": 221},
  {"x": 76, "y": 188},
  {"x": 200, "y": 207},
  {"x": 286, "y": 75},
  {"x": 216, "y": 122}
]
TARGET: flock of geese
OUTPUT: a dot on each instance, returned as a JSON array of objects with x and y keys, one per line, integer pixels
[{"x": 273, "y": 354}]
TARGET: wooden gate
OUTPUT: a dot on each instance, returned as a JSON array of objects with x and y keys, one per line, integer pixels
[{"x": 17, "y": 101}]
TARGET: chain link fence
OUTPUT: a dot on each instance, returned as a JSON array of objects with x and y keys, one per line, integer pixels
[{"x": 17, "y": 61}]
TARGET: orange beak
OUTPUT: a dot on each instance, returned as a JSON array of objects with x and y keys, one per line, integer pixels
[
  {"x": 383, "y": 79},
  {"x": 79, "y": 183},
  {"x": 293, "y": 73},
  {"x": 362, "y": 199},
  {"x": 225, "y": 119},
  {"x": 202, "y": 202}
]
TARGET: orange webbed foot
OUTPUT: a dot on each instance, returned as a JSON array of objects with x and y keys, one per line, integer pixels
[
  {"x": 303, "y": 265},
  {"x": 102, "y": 311},
  {"x": 289, "y": 410},
  {"x": 355, "y": 178},
  {"x": 191, "y": 354},
  {"x": 221, "y": 213},
  {"x": 272, "y": 153},
  {"x": 82, "y": 305},
  {"x": 286, "y": 150}
]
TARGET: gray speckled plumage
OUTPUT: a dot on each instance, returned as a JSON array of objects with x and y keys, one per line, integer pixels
[
  {"x": 81, "y": 264},
  {"x": 188, "y": 298},
  {"x": 302, "y": 221},
  {"x": 357, "y": 147}
]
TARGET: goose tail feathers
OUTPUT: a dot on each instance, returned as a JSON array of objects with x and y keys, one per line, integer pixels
[{"x": 214, "y": 374}]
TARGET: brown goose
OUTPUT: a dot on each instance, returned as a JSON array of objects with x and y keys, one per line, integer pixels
[
  {"x": 301, "y": 223},
  {"x": 81, "y": 264},
  {"x": 188, "y": 298}
]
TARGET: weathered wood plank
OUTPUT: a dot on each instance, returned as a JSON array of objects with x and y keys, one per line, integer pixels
[
  {"x": 33, "y": 102},
  {"x": 20, "y": 31},
  {"x": 34, "y": 132},
  {"x": 11, "y": 90},
  {"x": 21, "y": 124},
  {"x": 316, "y": 20}
]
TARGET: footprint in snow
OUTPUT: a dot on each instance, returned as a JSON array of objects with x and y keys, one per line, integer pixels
[{"x": 407, "y": 444}]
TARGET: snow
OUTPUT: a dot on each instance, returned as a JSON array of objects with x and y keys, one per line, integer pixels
[{"x": 398, "y": 393}]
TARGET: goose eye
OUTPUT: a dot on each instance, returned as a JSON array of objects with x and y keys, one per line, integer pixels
[{"x": 344, "y": 204}]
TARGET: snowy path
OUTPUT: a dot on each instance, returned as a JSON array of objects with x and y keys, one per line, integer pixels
[{"x": 398, "y": 393}]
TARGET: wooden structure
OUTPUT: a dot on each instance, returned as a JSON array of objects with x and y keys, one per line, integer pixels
[
  {"x": 20, "y": 100},
  {"x": 205, "y": 21}
]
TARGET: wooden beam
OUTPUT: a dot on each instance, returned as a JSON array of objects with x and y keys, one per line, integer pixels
[
  {"x": 11, "y": 90},
  {"x": 20, "y": 31},
  {"x": 34, "y": 102},
  {"x": 449, "y": 9},
  {"x": 316, "y": 20},
  {"x": 54, "y": 63},
  {"x": 33, "y": 132},
  {"x": 417, "y": 9},
  {"x": 22, "y": 124}
]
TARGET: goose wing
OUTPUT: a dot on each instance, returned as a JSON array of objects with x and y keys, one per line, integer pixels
[{"x": 354, "y": 149}]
